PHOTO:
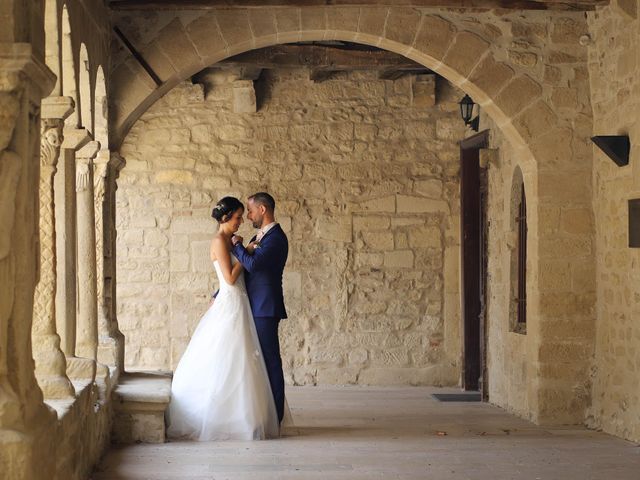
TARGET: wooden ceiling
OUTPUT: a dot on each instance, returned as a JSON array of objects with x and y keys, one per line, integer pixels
[{"x": 474, "y": 4}]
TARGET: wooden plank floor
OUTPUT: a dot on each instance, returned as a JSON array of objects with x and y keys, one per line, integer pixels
[{"x": 390, "y": 433}]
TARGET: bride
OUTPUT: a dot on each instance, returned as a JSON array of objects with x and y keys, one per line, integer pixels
[{"x": 220, "y": 389}]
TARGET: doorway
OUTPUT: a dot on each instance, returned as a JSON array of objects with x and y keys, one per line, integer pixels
[{"x": 473, "y": 225}]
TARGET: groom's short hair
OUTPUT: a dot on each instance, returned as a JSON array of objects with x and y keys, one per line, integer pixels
[{"x": 263, "y": 198}]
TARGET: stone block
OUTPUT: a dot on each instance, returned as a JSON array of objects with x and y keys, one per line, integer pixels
[
  {"x": 577, "y": 221},
  {"x": 287, "y": 21},
  {"x": 313, "y": 19},
  {"x": 465, "y": 52},
  {"x": 490, "y": 76},
  {"x": 263, "y": 26},
  {"x": 536, "y": 120},
  {"x": 175, "y": 177},
  {"x": 155, "y": 238},
  {"x": 177, "y": 46},
  {"x": 428, "y": 188},
  {"x": 378, "y": 240},
  {"x": 434, "y": 36},
  {"x": 425, "y": 237},
  {"x": 372, "y": 21},
  {"x": 521, "y": 91},
  {"x": 200, "y": 256},
  {"x": 380, "y": 205},
  {"x": 401, "y": 25},
  {"x": 450, "y": 129},
  {"x": 244, "y": 97},
  {"x": 206, "y": 37},
  {"x": 410, "y": 204},
  {"x": 139, "y": 402},
  {"x": 399, "y": 259},
  {"x": 369, "y": 223},
  {"x": 235, "y": 29},
  {"x": 336, "y": 229},
  {"x": 423, "y": 91}
]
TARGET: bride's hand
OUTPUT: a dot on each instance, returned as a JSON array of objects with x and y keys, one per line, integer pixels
[
  {"x": 236, "y": 239},
  {"x": 251, "y": 247}
]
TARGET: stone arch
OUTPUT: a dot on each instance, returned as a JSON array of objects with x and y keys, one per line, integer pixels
[
  {"x": 69, "y": 85},
  {"x": 84, "y": 85},
  {"x": 550, "y": 143},
  {"x": 461, "y": 56}
]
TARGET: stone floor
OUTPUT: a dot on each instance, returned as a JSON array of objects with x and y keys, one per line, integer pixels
[{"x": 369, "y": 433}]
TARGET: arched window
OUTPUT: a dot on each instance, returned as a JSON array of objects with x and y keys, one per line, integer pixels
[{"x": 518, "y": 297}]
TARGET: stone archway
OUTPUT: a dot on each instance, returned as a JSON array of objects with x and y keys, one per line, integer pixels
[{"x": 527, "y": 102}]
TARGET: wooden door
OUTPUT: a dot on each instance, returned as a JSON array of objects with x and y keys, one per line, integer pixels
[{"x": 472, "y": 257}]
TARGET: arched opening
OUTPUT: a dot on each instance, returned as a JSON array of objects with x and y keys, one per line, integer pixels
[
  {"x": 52, "y": 43},
  {"x": 68, "y": 74},
  {"x": 100, "y": 110},
  {"x": 86, "y": 101}
]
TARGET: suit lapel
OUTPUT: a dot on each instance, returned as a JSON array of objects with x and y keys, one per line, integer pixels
[{"x": 277, "y": 225}]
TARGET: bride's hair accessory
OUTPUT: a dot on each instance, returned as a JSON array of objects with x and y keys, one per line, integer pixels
[{"x": 223, "y": 210}]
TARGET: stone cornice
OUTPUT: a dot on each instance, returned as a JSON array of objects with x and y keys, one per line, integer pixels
[
  {"x": 75, "y": 138},
  {"x": 88, "y": 151},
  {"x": 57, "y": 107}
]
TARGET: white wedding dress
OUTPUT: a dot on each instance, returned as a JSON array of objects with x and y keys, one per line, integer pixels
[{"x": 220, "y": 389}]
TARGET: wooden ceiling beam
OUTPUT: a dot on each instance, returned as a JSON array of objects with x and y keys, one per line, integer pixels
[
  {"x": 320, "y": 57},
  {"x": 581, "y": 5}
]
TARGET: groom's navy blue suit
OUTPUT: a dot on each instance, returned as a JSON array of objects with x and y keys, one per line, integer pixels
[{"x": 263, "y": 277}]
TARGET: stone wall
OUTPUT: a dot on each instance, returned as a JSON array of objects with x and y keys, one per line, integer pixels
[
  {"x": 365, "y": 174},
  {"x": 613, "y": 67}
]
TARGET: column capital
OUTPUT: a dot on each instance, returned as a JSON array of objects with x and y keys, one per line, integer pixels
[
  {"x": 84, "y": 165},
  {"x": 50, "y": 141},
  {"x": 18, "y": 58},
  {"x": 75, "y": 138},
  {"x": 57, "y": 107}
]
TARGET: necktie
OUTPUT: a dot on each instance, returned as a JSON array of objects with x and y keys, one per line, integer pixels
[{"x": 259, "y": 235}]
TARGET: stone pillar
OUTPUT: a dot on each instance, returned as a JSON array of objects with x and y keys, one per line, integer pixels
[
  {"x": 25, "y": 422},
  {"x": 110, "y": 339},
  {"x": 65, "y": 214},
  {"x": 51, "y": 365},
  {"x": 87, "y": 323}
]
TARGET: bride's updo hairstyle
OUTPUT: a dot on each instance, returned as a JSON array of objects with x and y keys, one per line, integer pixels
[{"x": 225, "y": 208}]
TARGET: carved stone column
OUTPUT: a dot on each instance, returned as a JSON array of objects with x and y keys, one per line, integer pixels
[
  {"x": 87, "y": 323},
  {"x": 25, "y": 421},
  {"x": 51, "y": 365},
  {"x": 110, "y": 339}
]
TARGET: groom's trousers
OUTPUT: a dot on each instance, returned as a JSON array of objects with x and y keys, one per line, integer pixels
[{"x": 267, "y": 329}]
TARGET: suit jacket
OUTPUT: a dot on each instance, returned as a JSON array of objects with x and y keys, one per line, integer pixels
[{"x": 263, "y": 273}]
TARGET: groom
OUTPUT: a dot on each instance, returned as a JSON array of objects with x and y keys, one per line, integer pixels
[{"x": 263, "y": 277}]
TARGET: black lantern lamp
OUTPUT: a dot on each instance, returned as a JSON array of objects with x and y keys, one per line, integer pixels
[{"x": 466, "y": 110}]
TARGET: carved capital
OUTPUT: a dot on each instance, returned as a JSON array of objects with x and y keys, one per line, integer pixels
[
  {"x": 100, "y": 170},
  {"x": 50, "y": 142},
  {"x": 83, "y": 174}
]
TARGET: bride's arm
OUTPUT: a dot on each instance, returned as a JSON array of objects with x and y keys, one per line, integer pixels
[{"x": 223, "y": 256}]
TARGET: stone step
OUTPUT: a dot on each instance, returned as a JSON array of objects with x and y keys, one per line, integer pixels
[{"x": 139, "y": 402}]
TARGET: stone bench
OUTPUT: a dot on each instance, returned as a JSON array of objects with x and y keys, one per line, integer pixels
[{"x": 139, "y": 402}]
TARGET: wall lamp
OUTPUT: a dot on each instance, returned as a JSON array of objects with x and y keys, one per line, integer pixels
[{"x": 466, "y": 111}]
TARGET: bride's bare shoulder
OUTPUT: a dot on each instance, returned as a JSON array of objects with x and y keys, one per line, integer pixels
[{"x": 217, "y": 242}]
